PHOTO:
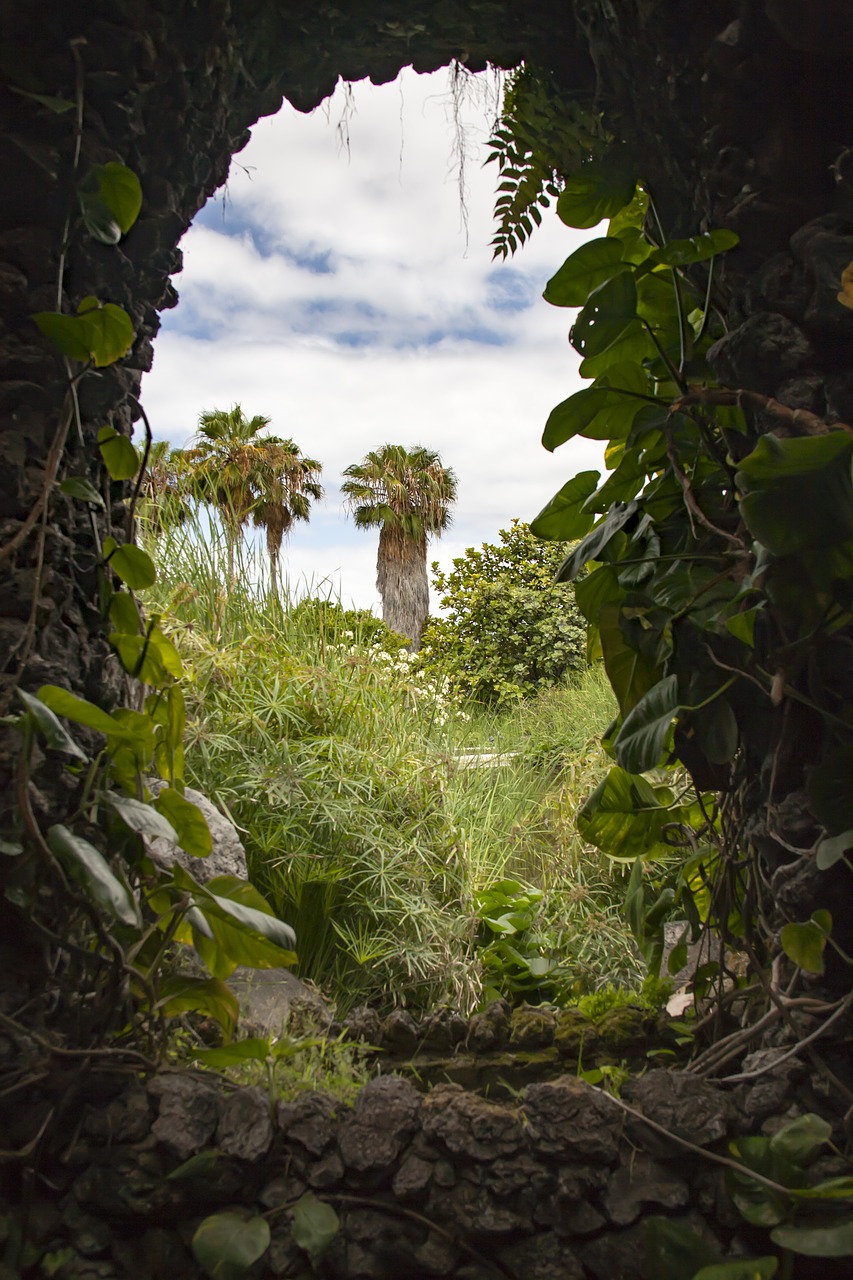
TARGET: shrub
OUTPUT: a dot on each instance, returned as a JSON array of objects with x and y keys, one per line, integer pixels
[{"x": 508, "y": 629}]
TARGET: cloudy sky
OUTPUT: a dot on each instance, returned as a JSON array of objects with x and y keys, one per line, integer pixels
[{"x": 336, "y": 290}]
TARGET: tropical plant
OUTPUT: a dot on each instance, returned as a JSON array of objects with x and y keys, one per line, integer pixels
[
  {"x": 243, "y": 474},
  {"x": 507, "y": 629},
  {"x": 288, "y": 482},
  {"x": 542, "y": 136},
  {"x": 407, "y": 494},
  {"x": 164, "y": 499}
]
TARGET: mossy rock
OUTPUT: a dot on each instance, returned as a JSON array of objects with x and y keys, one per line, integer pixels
[
  {"x": 531, "y": 1027},
  {"x": 575, "y": 1032},
  {"x": 625, "y": 1028}
]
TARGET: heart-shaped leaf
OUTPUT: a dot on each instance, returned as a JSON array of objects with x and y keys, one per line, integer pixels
[
  {"x": 120, "y": 457},
  {"x": 91, "y": 867},
  {"x": 225, "y": 1245}
]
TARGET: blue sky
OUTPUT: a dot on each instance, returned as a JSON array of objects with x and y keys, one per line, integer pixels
[{"x": 337, "y": 290}]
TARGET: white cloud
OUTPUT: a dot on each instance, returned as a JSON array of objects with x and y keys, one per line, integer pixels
[{"x": 336, "y": 295}]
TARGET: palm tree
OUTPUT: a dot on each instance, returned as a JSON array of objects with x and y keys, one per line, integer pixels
[
  {"x": 408, "y": 494},
  {"x": 164, "y": 498},
  {"x": 246, "y": 475},
  {"x": 289, "y": 482}
]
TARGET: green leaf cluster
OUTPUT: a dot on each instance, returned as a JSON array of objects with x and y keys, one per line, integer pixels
[{"x": 506, "y": 629}]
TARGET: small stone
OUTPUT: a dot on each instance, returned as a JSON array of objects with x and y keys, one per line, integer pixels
[
  {"x": 412, "y": 1178},
  {"x": 574, "y": 1033},
  {"x": 469, "y": 1125},
  {"x": 616, "y": 1253},
  {"x": 327, "y": 1172},
  {"x": 384, "y": 1117},
  {"x": 281, "y": 1191},
  {"x": 188, "y": 1112},
  {"x": 245, "y": 1129},
  {"x": 488, "y": 1031},
  {"x": 400, "y": 1033},
  {"x": 443, "y": 1030},
  {"x": 311, "y": 1121},
  {"x": 688, "y": 1106},
  {"x": 126, "y": 1119},
  {"x": 640, "y": 1182},
  {"x": 227, "y": 857},
  {"x": 363, "y": 1024},
  {"x": 761, "y": 354},
  {"x": 570, "y": 1120},
  {"x": 543, "y": 1257}
]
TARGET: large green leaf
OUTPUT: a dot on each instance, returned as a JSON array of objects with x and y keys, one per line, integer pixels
[
  {"x": 561, "y": 519},
  {"x": 100, "y": 331},
  {"x": 252, "y": 1049},
  {"x": 315, "y": 1225},
  {"x": 741, "y": 1269},
  {"x": 139, "y": 658},
  {"x": 598, "y": 190},
  {"x": 92, "y": 869},
  {"x": 835, "y": 1240},
  {"x": 640, "y": 743},
  {"x": 630, "y": 674},
  {"x": 597, "y": 589},
  {"x": 133, "y": 565},
  {"x": 51, "y": 729},
  {"x": 832, "y": 849},
  {"x": 716, "y": 730},
  {"x": 82, "y": 489},
  {"x": 110, "y": 200},
  {"x": 625, "y": 818},
  {"x": 634, "y": 346},
  {"x": 802, "y": 1140},
  {"x": 622, "y": 485},
  {"x": 674, "y": 1251},
  {"x": 243, "y": 927},
  {"x": 142, "y": 818},
  {"x": 796, "y": 494},
  {"x": 243, "y": 901},
  {"x": 188, "y": 821},
  {"x": 183, "y": 994},
  {"x": 680, "y": 253},
  {"x": 226, "y": 1245},
  {"x": 805, "y": 943},
  {"x": 67, "y": 704},
  {"x": 605, "y": 411},
  {"x": 584, "y": 270},
  {"x": 120, "y": 457},
  {"x": 591, "y": 547},
  {"x": 608, "y": 313}
]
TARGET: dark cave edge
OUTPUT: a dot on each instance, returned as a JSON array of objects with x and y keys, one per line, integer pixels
[{"x": 736, "y": 113}]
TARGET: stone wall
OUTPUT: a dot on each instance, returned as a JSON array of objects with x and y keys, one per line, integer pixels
[{"x": 555, "y": 1185}]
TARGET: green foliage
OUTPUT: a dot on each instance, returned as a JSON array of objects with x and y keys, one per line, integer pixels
[
  {"x": 226, "y": 1244},
  {"x": 120, "y": 906},
  {"x": 100, "y": 332},
  {"x": 343, "y": 761},
  {"x": 802, "y": 1217},
  {"x": 507, "y": 629},
  {"x": 719, "y": 551},
  {"x": 541, "y": 136}
]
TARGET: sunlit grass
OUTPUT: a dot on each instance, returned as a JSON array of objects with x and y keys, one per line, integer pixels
[{"x": 344, "y": 771}]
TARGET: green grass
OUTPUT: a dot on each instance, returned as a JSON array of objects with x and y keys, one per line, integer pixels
[{"x": 339, "y": 763}]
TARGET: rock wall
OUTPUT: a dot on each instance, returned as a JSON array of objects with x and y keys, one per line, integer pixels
[{"x": 553, "y": 1186}]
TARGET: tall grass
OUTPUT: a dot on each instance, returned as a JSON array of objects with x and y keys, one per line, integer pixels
[{"x": 341, "y": 766}]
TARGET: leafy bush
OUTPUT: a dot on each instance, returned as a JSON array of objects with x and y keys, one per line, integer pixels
[{"x": 508, "y": 629}]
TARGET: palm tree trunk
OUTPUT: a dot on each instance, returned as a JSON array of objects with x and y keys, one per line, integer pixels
[
  {"x": 274, "y": 575},
  {"x": 401, "y": 579}
]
